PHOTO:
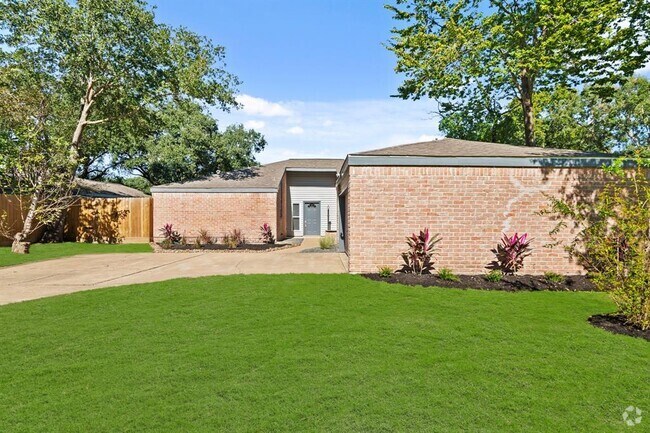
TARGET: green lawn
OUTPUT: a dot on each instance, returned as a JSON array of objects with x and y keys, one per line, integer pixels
[
  {"x": 315, "y": 353},
  {"x": 40, "y": 252}
]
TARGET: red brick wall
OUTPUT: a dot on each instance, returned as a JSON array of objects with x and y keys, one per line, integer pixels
[
  {"x": 469, "y": 206},
  {"x": 216, "y": 212}
]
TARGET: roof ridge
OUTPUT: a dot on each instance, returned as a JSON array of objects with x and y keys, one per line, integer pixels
[{"x": 455, "y": 147}]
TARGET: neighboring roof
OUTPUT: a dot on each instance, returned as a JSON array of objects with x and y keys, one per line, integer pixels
[
  {"x": 265, "y": 178},
  {"x": 92, "y": 188},
  {"x": 451, "y": 147}
]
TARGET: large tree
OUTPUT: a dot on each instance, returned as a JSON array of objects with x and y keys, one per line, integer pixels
[
  {"x": 34, "y": 163},
  {"x": 568, "y": 118},
  {"x": 109, "y": 62},
  {"x": 187, "y": 143},
  {"x": 473, "y": 52}
]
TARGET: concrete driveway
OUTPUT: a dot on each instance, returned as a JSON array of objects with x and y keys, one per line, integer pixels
[{"x": 86, "y": 272}]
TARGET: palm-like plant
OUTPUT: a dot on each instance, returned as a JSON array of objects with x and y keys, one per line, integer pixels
[
  {"x": 418, "y": 258},
  {"x": 511, "y": 252},
  {"x": 266, "y": 234},
  {"x": 170, "y": 235}
]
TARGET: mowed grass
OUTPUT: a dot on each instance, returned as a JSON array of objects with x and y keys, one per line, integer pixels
[
  {"x": 330, "y": 353},
  {"x": 38, "y": 252}
]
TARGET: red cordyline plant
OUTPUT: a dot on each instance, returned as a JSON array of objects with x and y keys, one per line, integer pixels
[
  {"x": 170, "y": 234},
  {"x": 266, "y": 234},
  {"x": 511, "y": 252},
  {"x": 419, "y": 257}
]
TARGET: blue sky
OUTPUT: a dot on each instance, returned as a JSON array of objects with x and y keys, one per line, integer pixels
[{"x": 316, "y": 77}]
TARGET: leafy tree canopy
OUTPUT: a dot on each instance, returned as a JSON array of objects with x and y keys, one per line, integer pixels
[
  {"x": 109, "y": 63},
  {"x": 186, "y": 144},
  {"x": 34, "y": 164},
  {"x": 470, "y": 53},
  {"x": 566, "y": 118},
  {"x": 107, "y": 73}
]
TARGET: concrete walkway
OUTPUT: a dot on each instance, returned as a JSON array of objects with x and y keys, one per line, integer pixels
[{"x": 86, "y": 272}]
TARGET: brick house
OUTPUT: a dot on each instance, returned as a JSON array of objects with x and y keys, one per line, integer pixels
[
  {"x": 296, "y": 197},
  {"x": 469, "y": 192}
]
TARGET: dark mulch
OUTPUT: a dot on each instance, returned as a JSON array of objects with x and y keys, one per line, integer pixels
[
  {"x": 616, "y": 324},
  {"x": 509, "y": 283},
  {"x": 222, "y": 247}
]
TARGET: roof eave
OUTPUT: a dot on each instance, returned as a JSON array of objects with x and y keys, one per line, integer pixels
[
  {"x": 311, "y": 170},
  {"x": 161, "y": 189},
  {"x": 476, "y": 161}
]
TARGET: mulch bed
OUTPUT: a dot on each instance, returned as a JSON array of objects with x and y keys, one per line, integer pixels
[
  {"x": 509, "y": 283},
  {"x": 320, "y": 250},
  {"x": 222, "y": 248},
  {"x": 616, "y": 324}
]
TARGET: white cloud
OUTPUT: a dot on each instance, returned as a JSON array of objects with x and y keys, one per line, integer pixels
[
  {"x": 334, "y": 129},
  {"x": 295, "y": 130},
  {"x": 261, "y": 107},
  {"x": 254, "y": 124}
]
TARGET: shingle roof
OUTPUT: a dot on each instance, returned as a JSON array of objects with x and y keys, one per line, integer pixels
[
  {"x": 92, "y": 188},
  {"x": 451, "y": 147},
  {"x": 264, "y": 177}
]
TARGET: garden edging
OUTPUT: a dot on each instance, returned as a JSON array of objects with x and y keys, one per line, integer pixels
[{"x": 160, "y": 250}]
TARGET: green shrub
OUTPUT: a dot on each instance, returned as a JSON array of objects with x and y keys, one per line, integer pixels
[
  {"x": 613, "y": 240},
  {"x": 494, "y": 276},
  {"x": 385, "y": 271},
  {"x": 447, "y": 275},
  {"x": 326, "y": 243},
  {"x": 554, "y": 277}
]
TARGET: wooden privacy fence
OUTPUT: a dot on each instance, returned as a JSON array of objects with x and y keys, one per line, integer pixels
[
  {"x": 10, "y": 211},
  {"x": 128, "y": 219},
  {"x": 110, "y": 220}
]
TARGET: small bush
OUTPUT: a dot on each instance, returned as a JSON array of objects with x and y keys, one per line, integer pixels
[
  {"x": 553, "y": 277},
  {"x": 447, "y": 275},
  {"x": 419, "y": 257},
  {"x": 266, "y": 234},
  {"x": 204, "y": 237},
  {"x": 613, "y": 241},
  {"x": 166, "y": 244},
  {"x": 385, "y": 271},
  {"x": 197, "y": 243},
  {"x": 234, "y": 238},
  {"x": 326, "y": 243},
  {"x": 170, "y": 235},
  {"x": 494, "y": 276},
  {"x": 511, "y": 252}
]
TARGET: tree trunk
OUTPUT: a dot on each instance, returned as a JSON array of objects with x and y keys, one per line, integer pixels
[
  {"x": 527, "y": 106},
  {"x": 54, "y": 232},
  {"x": 19, "y": 245}
]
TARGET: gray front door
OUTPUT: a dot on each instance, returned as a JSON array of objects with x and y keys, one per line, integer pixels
[{"x": 311, "y": 216}]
